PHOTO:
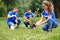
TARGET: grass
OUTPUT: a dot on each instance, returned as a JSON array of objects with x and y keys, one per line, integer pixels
[{"x": 27, "y": 34}]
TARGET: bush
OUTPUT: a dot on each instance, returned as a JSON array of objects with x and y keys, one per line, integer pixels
[{"x": 3, "y": 9}]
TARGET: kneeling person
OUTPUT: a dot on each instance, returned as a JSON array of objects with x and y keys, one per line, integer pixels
[
  {"x": 13, "y": 19},
  {"x": 28, "y": 18}
]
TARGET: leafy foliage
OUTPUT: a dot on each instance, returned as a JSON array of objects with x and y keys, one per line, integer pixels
[
  {"x": 3, "y": 9},
  {"x": 7, "y": 5}
]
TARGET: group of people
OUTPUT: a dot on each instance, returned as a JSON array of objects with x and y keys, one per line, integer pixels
[{"x": 47, "y": 13}]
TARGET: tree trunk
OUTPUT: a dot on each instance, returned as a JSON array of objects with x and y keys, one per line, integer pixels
[{"x": 55, "y": 2}]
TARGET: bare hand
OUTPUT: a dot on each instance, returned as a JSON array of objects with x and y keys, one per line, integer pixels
[
  {"x": 16, "y": 21},
  {"x": 50, "y": 16}
]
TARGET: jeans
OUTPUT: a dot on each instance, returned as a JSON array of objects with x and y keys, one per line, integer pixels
[
  {"x": 51, "y": 23},
  {"x": 27, "y": 23},
  {"x": 12, "y": 23}
]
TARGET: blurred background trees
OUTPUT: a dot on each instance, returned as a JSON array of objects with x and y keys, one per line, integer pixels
[
  {"x": 57, "y": 7},
  {"x": 35, "y": 5},
  {"x": 3, "y": 9}
]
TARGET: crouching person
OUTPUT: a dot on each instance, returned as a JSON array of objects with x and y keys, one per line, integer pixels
[
  {"x": 12, "y": 19},
  {"x": 28, "y": 18},
  {"x": 48, "y": 13}
]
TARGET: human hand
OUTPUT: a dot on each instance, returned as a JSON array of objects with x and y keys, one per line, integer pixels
[
  {"x": 50, "y": 16},
  {"x": 38, "y": 23},
  {"x": 16, "y": 21}
]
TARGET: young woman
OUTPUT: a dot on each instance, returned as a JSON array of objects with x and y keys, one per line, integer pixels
[{"x": 48, "y": 13}]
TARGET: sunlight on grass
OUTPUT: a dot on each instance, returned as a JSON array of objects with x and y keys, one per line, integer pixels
[{"x": 27, "y": 34}]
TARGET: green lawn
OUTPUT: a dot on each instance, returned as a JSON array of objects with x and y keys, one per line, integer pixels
[{"x": 27, "y": 34}]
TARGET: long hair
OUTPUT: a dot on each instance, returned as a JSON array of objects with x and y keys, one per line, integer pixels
[
  {"x": 50, "y": 8},
  {"x": 49, "y": 5}
]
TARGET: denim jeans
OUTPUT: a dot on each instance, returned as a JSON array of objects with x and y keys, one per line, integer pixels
[
  {"x": 51, "y": 23},
  {"x": 27, "y": 23},
  {"x": 12, "y": 23}
]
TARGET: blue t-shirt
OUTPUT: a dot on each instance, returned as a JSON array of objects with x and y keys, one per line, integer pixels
[
  {"x": 12, "y": 18},
  {"x": 28, "y": 15},
  {"x": 45, "y": 15}
]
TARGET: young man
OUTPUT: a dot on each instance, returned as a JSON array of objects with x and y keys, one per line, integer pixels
[
  {"x": 12, "y": 18},
  {"x": 28, "y": 18}
]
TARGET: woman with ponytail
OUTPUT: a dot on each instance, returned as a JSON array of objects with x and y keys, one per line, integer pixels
[{"x": 48, "y": 13}]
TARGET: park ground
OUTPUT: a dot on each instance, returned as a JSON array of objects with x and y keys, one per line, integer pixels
[{"x": 27, "y": 34}]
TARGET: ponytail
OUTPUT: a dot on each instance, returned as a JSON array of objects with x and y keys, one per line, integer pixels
[
  {"x": 50, "y": 8},
  {"x": 49, "y": 5}
]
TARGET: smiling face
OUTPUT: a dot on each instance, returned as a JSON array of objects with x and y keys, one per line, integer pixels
[{"x": 45, "y": 5}]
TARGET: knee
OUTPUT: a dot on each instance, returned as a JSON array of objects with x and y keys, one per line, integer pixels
[
  {"x": 50, "y": 19},
  {"x": 19, "y": 21},
  {"x": 12, "y": 24},
  {"x": 44, "y": 28}
]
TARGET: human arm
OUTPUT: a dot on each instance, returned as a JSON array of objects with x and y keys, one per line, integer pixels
[
  {"x": 10, "y": 15},
  {"x": 25, "y": 18},
  {"x": 39, "y": 22}
]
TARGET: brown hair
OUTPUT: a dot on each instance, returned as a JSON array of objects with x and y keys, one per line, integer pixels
[
  {"x": 28, "y": 9},
  {"x": 16, "y": 8},
  {"x": 49, "y": 5}
]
